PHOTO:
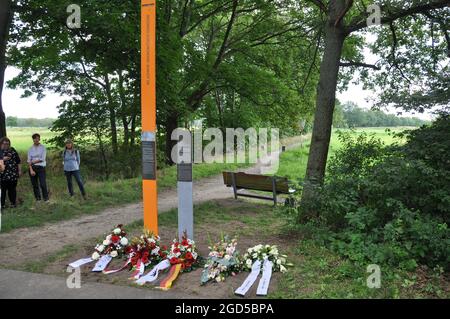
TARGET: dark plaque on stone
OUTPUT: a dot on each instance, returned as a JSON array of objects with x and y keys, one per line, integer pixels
[{"x": 184, "y": 172}]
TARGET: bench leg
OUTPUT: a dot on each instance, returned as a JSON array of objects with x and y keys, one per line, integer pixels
[
  {"x": 274, "y": 189},
  {"x": 233, "y": 179}
]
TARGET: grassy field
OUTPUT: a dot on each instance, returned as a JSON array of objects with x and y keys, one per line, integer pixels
[
  {"x": 293, "y": 163},
  {"x": 104, "y": 194},
  {"x": 21, "y": 137}
]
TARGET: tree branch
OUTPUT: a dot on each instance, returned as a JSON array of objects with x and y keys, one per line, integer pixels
[
  {"x": 313, "y": 62},
  {"x": 348, "y": 6},
  {"x": 89, "y": 77},
  {"x": 224, "y": 7},
  {"x": 320, "y": 5},
  {"x": 202, "y": 90},
  {"x": 360, "y": 22},
  {"x": 444, "y": 29},
  {"x": 359, "y": 64},
  {"x": 394, "y": 51}
]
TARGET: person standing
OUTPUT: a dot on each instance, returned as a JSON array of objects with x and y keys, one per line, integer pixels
[
  {"x": 71, "y": 161},
  {"x": 37, "y": 156},
  {"x": 11, "y": 174},
  {"x": 2, "y": 168},
  {"x": 2, "y": 163}
]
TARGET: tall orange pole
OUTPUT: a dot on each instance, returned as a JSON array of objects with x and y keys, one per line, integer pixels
[{"x": 148, "y": 104}]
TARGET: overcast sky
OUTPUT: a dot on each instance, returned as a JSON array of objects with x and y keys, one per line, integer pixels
[{"x": 13, "y": 105}]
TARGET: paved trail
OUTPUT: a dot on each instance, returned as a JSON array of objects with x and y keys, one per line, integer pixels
[
  {"x": 31, "y": 244},
  {"x": 24, "y": 285}
]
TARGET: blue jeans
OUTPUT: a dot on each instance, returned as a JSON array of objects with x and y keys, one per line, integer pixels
[{"x": 77, "y": 176}]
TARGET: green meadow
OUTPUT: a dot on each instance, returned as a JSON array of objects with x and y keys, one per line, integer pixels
[
  {"x": 21, "y": 137},
  {"x": 293, "y": 162}
]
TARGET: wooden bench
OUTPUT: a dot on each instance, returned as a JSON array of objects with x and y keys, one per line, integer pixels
[{"x": 275, "y": 185}]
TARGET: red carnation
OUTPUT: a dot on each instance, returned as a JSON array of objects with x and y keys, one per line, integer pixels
[
  {"x": 185, "y": 242},
  {"x": 176, "y": 250},
  {"x": 115, "y": 239},
  {"x": 189, "y": 256},
  {"x": 145, "y": 260},
  {"x": 174, "y": 260},
  {"x": 134, "y": 260}
]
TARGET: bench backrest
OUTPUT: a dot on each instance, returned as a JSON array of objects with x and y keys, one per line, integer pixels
[{"x": 256, "y": 182}]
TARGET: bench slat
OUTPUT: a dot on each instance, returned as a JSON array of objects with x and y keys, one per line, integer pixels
[{"x": 257, "y": 182}]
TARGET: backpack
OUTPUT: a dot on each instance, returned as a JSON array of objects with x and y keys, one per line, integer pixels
[{"x": 77, "y": 152}]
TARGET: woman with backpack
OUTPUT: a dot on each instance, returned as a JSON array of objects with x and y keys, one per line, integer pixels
[{"x": 71, "y": 161}]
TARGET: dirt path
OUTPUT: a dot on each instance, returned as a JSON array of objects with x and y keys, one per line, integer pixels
[{"x": 31, "y": 244}]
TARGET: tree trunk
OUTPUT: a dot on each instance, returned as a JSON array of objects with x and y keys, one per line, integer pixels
[
  {"x": 105, "y": 169},
  {"x": 112, "y": 114},
  {"x": 133, "y": 130},
  {"x": 126, "y": 132},
  {"x": 170, "y": 125},
  {"x": 325, "y": 103},
  {"x": 5, "y": 22},
  {"x": 124, "y": 112}
]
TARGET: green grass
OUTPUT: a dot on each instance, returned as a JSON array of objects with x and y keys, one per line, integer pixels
[
  {"x": 293, "y": 162},
  {"x": 385, "y": 135},
  {"x": 320, "y": 273},
  {"x": 21, "y": 137}
]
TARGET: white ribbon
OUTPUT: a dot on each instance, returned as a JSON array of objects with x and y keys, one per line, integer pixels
[
  {"x": 102, "y": 263},
  {"x": 139, "y": 271},
  {"x": 81, "y": 262},
  {"x": 153, "y": 274},
  {"x": 107, "y": 272},
  {"x": 248, "y": 283},
  {"x": 264, "y": 282}
]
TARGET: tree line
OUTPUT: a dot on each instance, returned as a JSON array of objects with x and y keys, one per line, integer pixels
[
  {"x": 349, "y": 115},
  {"x": 13, "y": 121}
]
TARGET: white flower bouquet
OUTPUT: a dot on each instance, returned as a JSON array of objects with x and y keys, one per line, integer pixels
[
  {"x": 263, "y": 252},
  {"x": 113, "y": 245}
]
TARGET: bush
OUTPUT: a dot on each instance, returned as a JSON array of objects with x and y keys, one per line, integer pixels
[{"x": 390, "y": 204}]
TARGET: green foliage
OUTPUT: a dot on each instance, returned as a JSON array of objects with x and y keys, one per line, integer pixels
[
  {"x": 413, "y": 51},
  {"x": 251, "y": 76},
  {"x": 436, "y": 136},
  {"x": 389, "y": 204}
]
